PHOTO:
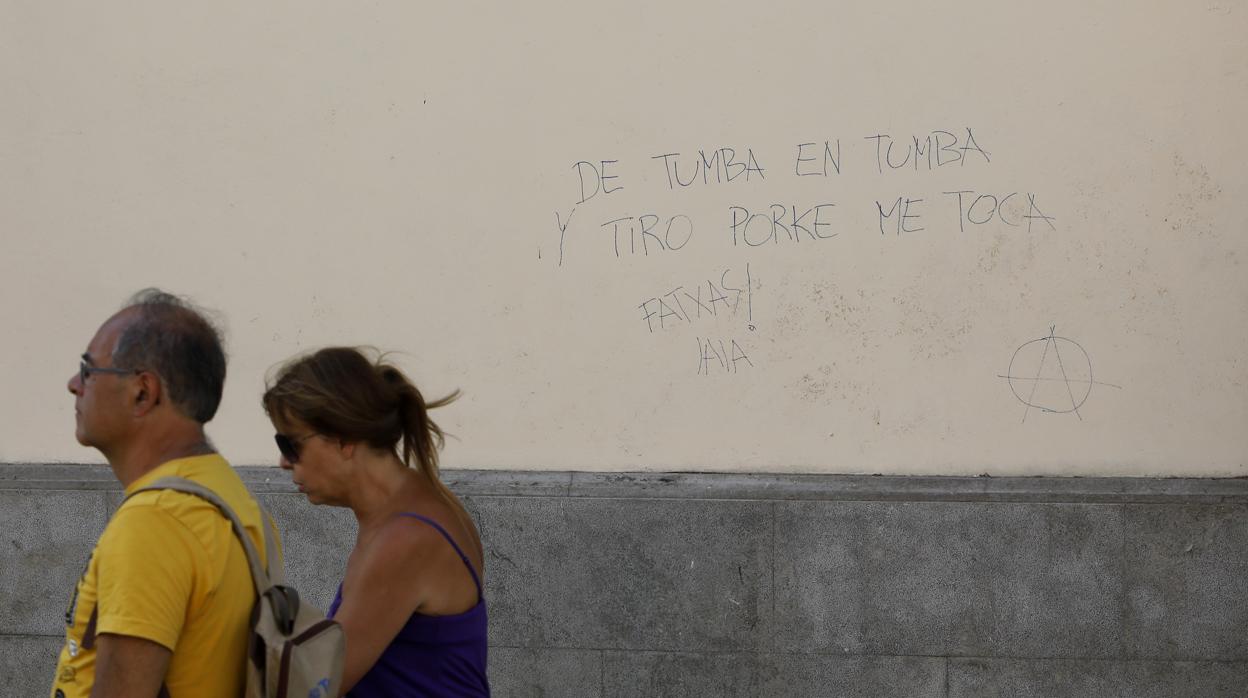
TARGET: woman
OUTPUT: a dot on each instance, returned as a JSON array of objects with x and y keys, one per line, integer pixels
[{"x": 356, "y": 433}]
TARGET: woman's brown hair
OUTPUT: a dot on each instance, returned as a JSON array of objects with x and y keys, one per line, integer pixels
[{"x": 341, "y": 393}]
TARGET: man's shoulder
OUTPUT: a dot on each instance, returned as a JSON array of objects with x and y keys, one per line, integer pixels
[
  {"x": 211, "y": 471},
  {"x": 173, "y": 509}
]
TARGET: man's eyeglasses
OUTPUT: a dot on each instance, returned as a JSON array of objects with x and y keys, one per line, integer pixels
[
  {"x": 84, "y": 371},
  {"x": 289, "y": 446}
]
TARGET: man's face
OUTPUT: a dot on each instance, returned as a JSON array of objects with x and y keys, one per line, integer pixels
[{"x": 100, "y": 402}]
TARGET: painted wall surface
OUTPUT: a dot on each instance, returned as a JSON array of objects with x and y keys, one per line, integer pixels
[{"x": 848, "y": 237}]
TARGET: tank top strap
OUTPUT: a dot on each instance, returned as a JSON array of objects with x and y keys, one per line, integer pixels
[{"x": 437, "y": 526}]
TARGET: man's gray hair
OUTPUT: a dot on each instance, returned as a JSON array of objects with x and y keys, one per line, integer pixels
[{"x": 173, "y": 338}]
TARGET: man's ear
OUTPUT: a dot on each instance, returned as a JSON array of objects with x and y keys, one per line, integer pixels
[
  {"x": 148, "y": 393},
  {"x": 347, "y": 448}
]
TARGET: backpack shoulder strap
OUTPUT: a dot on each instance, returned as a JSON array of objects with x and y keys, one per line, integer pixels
[
  {"x": 260, "y": 578},
  {"x": 273, "y": 560}
]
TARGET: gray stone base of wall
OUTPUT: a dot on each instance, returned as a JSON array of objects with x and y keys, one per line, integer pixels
[{"x": 763, "y": 585}]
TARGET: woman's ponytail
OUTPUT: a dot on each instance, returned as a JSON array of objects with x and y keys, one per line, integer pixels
[{"x": 421, "y": 436}]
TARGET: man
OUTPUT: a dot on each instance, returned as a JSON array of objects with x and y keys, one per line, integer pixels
[{"x": 163, "y": 607}]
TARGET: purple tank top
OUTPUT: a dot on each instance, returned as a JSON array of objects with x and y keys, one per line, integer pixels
[{"x": 431, "y": 655}]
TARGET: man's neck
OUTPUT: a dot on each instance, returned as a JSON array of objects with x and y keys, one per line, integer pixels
[{"x": 148, "y": 453}]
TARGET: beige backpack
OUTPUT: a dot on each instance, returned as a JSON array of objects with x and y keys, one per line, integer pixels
[{"x": 293, "y": 651}]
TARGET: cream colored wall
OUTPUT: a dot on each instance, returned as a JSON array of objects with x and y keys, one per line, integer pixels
[{"x": 398, "y": 174}]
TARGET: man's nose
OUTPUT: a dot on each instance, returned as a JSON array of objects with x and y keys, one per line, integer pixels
[{"x": 75, "y": 383}]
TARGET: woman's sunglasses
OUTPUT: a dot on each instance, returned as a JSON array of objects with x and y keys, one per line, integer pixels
[{"x": 289, "y": 446}]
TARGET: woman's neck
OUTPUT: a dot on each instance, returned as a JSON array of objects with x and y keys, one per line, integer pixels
[{"x": 381, "y": 489}]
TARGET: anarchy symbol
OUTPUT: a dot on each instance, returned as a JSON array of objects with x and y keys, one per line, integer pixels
[{"x": 1052, "y": 374}]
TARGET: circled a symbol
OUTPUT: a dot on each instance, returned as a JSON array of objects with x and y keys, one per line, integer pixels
[{"x": 1052, "y": 374}]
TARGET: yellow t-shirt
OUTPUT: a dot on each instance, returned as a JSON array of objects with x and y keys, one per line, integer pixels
[{"x": 169, "y": 569}]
